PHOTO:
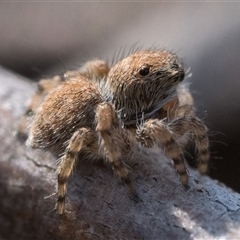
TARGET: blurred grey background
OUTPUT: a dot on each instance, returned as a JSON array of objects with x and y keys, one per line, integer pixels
[{"x": 39, "y": 39}]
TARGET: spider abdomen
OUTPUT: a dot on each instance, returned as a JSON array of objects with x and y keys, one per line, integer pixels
[{"x": 65, "y": 110}]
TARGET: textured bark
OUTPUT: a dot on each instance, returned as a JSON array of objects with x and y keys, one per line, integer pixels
[{"x": 98, "y": 205}]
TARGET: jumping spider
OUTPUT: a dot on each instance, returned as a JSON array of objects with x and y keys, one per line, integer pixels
[{"x": 105, "y": 111}]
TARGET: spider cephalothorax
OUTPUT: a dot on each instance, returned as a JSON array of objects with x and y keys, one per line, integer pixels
[
  {"x": 97, "y": 110},
  {"x": 143, "y": 83}
]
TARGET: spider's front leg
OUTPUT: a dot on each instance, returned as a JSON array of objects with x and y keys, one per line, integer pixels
[
  {"x": 169, "y": 135},
  {"x": 155, "y": 131},
  {"x": 114, "y": 142}
]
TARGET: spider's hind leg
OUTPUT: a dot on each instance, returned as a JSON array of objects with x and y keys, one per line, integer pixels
[{"x": 113, "y": 141}]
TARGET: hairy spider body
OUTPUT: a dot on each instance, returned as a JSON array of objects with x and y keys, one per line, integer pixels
[
  {"x": 68, "y": 108},
  {"x": 104, "y": 111}
]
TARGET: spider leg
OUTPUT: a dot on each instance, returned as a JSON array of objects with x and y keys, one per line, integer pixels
[
  {"x": 78, "y": 140},
  {"x": 201, "y": 144},
  {"x": 155, "y": 131},
  {"x": 198, "y": 128},
  {"x": 112, "y": 141},
  {"x": 192, "y": 124},
  {"x": 95, "y": 69}
]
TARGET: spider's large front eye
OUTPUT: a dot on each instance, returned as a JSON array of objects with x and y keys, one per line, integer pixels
[{"x": 144, "y": 71}]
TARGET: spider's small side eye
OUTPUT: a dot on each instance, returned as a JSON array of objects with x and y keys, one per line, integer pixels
[
  {"x": 160, "y": 73},
  {"x": 175, "y": 66},
  {"x": 144, "y": 71}
]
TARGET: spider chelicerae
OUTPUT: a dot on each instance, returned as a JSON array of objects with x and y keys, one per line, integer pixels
[{"x": 104, "y": 111}]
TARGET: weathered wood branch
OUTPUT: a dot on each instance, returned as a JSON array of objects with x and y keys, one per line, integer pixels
[{"x": 98, "y": 205}]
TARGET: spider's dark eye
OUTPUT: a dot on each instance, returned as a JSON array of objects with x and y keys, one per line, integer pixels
[
  {"x": 160, "y": 73},
  {"x": 175, "y": 66},
  {"x": 144, "y": 71}
]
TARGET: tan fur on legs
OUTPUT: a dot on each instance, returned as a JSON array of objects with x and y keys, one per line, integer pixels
[
  {"x": 65, "y": 168},
  {"x": 196, "y": 130},
  {"x": 108, "y": 127},
  {"x": 155, "y": 131}
]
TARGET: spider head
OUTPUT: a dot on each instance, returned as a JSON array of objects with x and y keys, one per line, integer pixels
[
  {"x": 160, "y": 67},
  {"x": 147, "y": 67},
  {"x": 145, "y": 81}
]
